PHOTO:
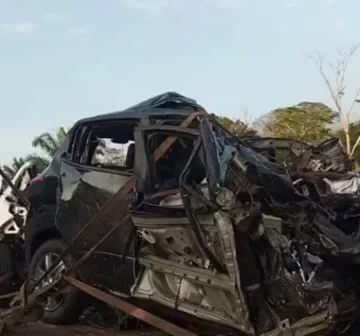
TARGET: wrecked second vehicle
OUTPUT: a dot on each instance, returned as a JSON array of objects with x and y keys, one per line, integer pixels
[
  {"x": 324, "y": 173},
  {"x": 13, "y": 215},
  {"x": 217, "y": 231}
]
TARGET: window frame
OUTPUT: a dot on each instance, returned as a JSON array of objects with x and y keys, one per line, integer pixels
[
  {"x": 176, "y": 131},
  {"x": 79, "y": 139}
]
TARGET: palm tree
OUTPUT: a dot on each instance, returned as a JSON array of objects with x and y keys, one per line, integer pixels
[
  {"x": 50, "y": 143},
  {"x": 15, "y": 166},
  {"x": 8, "y": 170},
  {"x": 40, "y": 164},
  {"x": 39, "y": 161}
]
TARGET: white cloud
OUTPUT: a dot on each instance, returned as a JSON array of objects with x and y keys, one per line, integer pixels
[
  {"x": 54, "y": 17},
  {"x": 175, "y": 6},
  {"x": 330, "y": 2},
  {"x": 291, "y": 3},
  {"x": 227, "y": 4},
  {"x": 153, "y": 7},
  {"x": 24, "y": 28},
  {"x": 339, "y": 24},
  {"x": 79, "y": 30},
  {"x": 309, "y": 3}
]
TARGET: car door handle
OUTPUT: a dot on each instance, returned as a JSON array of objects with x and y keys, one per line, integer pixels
[{"x": 63, "y": 174}]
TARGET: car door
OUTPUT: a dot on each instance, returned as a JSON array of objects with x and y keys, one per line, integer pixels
[{"x": 84, "y": 188}]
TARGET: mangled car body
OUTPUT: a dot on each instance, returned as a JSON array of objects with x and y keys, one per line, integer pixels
[
  {"x": 13, "y": 215},
  {"x": 322, "y": 172},
  {"x": 217, "y": 231}
]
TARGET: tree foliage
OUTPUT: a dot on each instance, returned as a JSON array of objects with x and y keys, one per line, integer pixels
[
  {"x": 307, "y": 121},
  {"x": 40, "y": 164},
  {"x": 48, "y": 143},
  {"x": 235, "y": 126}
]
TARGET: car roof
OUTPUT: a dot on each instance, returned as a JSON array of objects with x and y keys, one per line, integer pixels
[{"x": 165, "y": 104}]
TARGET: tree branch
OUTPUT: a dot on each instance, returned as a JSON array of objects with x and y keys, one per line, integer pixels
[
  {"x": 290, "y": 128},
  {"x": 357, "y": 94},
  {"x": 331, "y": 90},
  {"x": 337, "y": 88},
  {"x": 355, "y": 146}
]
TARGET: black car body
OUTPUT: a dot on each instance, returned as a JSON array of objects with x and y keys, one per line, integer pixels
[{"x": 217, "y": 231}]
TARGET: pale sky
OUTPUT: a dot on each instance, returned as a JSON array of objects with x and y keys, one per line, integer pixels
[{"x": 67, "y": 59}]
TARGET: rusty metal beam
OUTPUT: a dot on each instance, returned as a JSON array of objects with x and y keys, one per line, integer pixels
[
  {"x": 101, "y": 241},
  {"x": 104, "y": 210},
  {"x": 168, "y": 142},
  {"x": 130, "y": 309}
]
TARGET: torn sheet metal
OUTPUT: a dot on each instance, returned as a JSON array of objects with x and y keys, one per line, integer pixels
[{"x": 349, "y": 186}]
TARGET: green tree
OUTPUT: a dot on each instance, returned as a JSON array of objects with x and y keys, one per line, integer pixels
[
  {"x": 8, "y": 170},
  {"x": 40, "y": 164},
  {"x": 15, "y": 166},
  {"x": 307, "y": 121},
  {"x": 50, "y": 143},
  {"x": 235, "y": 126}
]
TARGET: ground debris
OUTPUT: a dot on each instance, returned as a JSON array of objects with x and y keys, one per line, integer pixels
[{"x": 41, "y": 329}]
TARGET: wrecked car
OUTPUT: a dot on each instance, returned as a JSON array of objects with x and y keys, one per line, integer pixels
[
  {"x": 13, "y": 215},
  {"x": 322, "y": 172},
  {"x": 278, "y": 150},
  {"x": 217, "y": 231}
]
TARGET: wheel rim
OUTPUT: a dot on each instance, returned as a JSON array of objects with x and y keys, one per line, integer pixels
[{"x": 52, "y": 302}]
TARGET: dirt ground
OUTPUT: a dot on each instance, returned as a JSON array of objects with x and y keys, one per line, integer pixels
[
  {"x": 91, "y": 328},
  {"x": 40, "y": 329}
]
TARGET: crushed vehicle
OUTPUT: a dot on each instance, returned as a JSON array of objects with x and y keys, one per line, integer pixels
[
  {"x": 217, "y": 233},
  {"x": 323, "y": 172},
  {"x": 13, "y": 215}
]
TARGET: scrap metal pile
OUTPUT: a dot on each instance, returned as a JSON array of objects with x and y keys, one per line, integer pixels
[
  {"x": 212, "y": 229},
  {"x": 314, "y": 263}
]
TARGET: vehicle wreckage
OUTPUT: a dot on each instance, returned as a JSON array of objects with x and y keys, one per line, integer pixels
[
  {"x": 195, "y": 225},
  {"x": 14, "y": 210}
]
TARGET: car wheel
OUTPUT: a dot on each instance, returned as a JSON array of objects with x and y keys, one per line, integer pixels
[{"x": 61, "y": 309}]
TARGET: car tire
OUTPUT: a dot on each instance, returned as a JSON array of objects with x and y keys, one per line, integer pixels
[{"x": 72, "y": 305}]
